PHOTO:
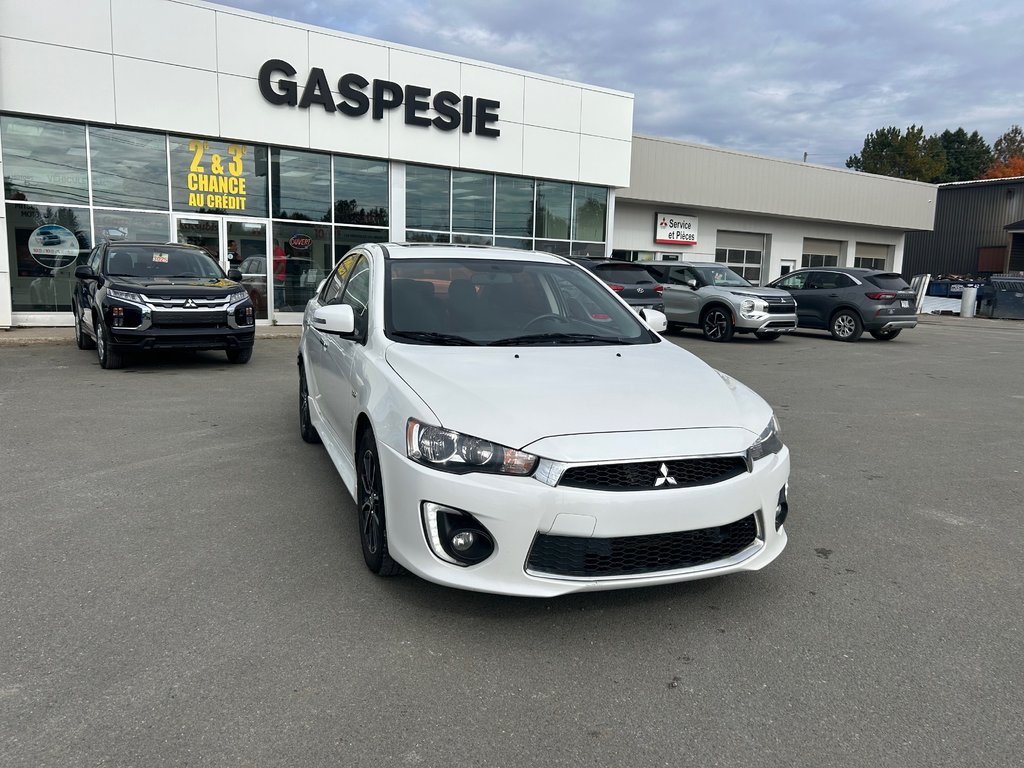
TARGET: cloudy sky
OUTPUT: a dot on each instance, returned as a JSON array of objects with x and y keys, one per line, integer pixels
[{"x": 775, "y": 77}]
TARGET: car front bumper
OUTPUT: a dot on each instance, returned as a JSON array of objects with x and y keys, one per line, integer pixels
[{"x": 516, "y": 510}]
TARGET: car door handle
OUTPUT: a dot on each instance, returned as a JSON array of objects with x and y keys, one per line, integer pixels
[{"x": 833, "y": 295}]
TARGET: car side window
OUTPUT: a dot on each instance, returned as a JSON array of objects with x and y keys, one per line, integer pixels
[
  {"x": 357, "y": 295},
  {"x": 679, "y": 275},
  {"x": 843, "y": 281},
  {"x": 793, "y": 282},
  {"x": 815, "y": 281},
  {"x": 94, "y": 259},
  {"x": 331, "y": 292}
]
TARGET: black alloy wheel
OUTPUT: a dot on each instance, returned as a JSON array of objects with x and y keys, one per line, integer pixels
[
  {"x": 373, "y": 535},
  {"x": 109, "y": 359},
  {"x": 846, "y": 325},
  {"x": 889, "y": 335},
  {"x": 717, "y": 325},
  {"x": 306, "y": 428},
  {"x": 82, "y": 339}
]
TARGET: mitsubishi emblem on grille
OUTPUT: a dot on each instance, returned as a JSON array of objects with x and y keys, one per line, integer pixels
[
  {"x": 190, "y": 304},
  {"x": 665, "y": 478}
]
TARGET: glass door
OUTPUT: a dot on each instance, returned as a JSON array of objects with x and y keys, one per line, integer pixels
[
  {"x": 246, "y": 250},
  {"x": 236, "y": 244}
]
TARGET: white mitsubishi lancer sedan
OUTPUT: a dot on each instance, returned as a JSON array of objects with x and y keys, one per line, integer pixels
[{"x": 474, "y": 401}]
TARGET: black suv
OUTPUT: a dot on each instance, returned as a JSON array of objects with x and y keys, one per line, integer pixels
[
  {"x": 139, "y": 296},
  {"x": 629, "y": 279},
  {"x": 847, "y": 301}
]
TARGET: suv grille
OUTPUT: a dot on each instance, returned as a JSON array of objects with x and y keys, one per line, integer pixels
[
  {"x": 648, "y": 475},
  {"x": 630, "y": 555}
]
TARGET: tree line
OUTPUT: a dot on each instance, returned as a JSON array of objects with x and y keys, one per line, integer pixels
[{"x": 941, "y": 157}]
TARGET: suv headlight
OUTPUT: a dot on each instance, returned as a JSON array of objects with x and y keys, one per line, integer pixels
[
  {"x": 238, "y": 296},
  {"x": 452, "y": 451},
  {"x": 124, "y": 295},
  {"x": 768, "y": 442},
  {"x": 749, "y": 307}
]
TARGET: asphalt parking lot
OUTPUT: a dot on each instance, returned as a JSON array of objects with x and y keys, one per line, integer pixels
[{"x": 181, "y": 583}]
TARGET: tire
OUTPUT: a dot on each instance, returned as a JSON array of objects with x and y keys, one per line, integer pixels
[
  {"x": 306, "y": 428},
  {"x": 109, "y": 359},
  {"x": 373, "y": 532},
  {"x": 845, "y": 325},
  {"x": 716, "y": 324},
  {"x": 886, "y": 335},
  {"x": 239, "y": 356},
  {"x": 767, "y": 335},
  {"x": 82, "y": 339}
]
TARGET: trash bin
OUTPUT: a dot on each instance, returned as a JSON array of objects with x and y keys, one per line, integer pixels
[
  {"x": 1003, "y": 297},
  {"x": 968, "y": 301}
]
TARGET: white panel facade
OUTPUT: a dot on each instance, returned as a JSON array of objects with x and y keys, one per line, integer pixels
[
  {"x": 187, "y": 99},
  {"x": 339, "y": 55},
  {"x": 57, "y": 22},
  {"x": 332, "y": 132},
  {"x": 550, "y": 153},
  {"x": 244, "y": 119},
  {"x": 243, "y": 42},
  {"x": 86, "y": 83},
  {"x": 505, "y": 156},
  {"x": 606, "y": 114},
  {"x": 507, "y": 87},
  {"x": 552, "y": 105},
  {"x": 597, "y": 152},
  {"x": 172, "y": 33}
]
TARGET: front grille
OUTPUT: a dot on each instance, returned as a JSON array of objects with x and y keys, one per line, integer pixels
[
  {"x": 190, "y": 317},
  {"x": 649, "y": 476},
  {"x": 781, "y": 309},
  {"x": 631, "y": 555}
]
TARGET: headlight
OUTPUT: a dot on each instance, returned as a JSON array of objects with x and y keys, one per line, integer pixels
[
  {"x": 238, "y": 296},
  {"x": 124, "y": 295},
  {"x": 454, "y": 452},
  {"x": 768, "y": 442},
  {"x": 750, "y": 307}
]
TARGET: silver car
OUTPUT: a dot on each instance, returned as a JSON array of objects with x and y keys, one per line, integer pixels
[{"x": 712, "y": 297}]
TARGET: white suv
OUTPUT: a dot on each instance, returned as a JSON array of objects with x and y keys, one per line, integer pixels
[
  {"x": 470, "y": 400},
  {"x": 710, "y": 296}
]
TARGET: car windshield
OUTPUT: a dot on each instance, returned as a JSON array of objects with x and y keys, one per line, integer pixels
[
  {"x": 477, "y": 301},
  {"x": 721, "y": 276},
  {"x": 161, "y": 261},
  {"x": 619, "y": 273},
  {"x": 889, "y": 281}
]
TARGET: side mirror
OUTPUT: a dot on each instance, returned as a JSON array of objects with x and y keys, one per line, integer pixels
[
  {"x": 335, "y": 318},
  {"x": 693, "y": 284},
  {"x": 235, "y": 274},
  {"x": 655, "y": 320},
  {"x": 84, "y": 272}
]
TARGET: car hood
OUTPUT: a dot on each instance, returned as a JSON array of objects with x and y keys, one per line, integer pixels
[
  {"x": 518, "y": 395},
  {"x": 169, "y": 286},
  {"x": 763, "y": 293}
]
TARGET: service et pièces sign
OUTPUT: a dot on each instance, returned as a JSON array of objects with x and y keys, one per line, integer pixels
[{"x": 675, "y": 229}]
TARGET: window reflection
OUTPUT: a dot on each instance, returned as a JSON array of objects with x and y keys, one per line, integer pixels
[
  {"x": 302, "y": 185},
  {"x": 44, "y": 161},
  {"x": 45, "y": 244},
  {"x": 360, "y": 191},
  {"x": 129, "y": 168},
  {"x": 302, "y": 257},
  {"x": 554, "y": 209},
  {"x": 590, "y": 207},
  {"x": 427, "y": 198},
  {"x": 513, "y": 214},
  {"x": 112, "y": 226},
  {"x": 472, "y": 202}
]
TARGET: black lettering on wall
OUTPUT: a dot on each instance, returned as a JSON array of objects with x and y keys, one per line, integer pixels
[
  {"x": 416, "y": 101},
  {"x": 380, "y": 102},
  {"x": 447, "y": 114},
  {"x": 486, "y": 113},
  {"x": 317, "y": 91},
  {"x": 288, "y": 88},
  {"x": 353, "y": 101},
  {"x": 467, "y": 114}
]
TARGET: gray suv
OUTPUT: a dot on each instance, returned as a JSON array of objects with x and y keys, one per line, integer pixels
[
  {"x": 847, "y": 301},
  {"x": 710, "y": 296}
]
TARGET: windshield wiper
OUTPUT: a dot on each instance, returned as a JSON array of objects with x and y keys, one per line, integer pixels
[
  {"x": 437, "y": 338},
  {"x": 557, "y": 338}
]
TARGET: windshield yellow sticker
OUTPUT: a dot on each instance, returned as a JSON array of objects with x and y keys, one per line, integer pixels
[{"x": 160, "y": 258}]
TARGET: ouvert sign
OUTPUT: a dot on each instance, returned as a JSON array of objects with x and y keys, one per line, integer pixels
[{"x": 468, "y": 113}]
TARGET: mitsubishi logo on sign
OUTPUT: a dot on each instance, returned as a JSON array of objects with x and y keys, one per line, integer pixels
[{"x": 664, "y": 477}]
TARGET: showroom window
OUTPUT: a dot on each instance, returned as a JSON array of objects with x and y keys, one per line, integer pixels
[
  {"x": 360, "y": 191},
  {"x": 129, "y": 169},
  {"x": 214, "y": 176},
  {"x": 428, "y": 202},
  {"x": 301, "y": 185},
  {"x": 473, "y": 205},
  {"x": 45, "y": 243},
  {"x": 302, "y": 257},
  {"x": 513, "y": 212},
  {"x": 554, "y": 210},
  {"x": 44, "y": 161}
]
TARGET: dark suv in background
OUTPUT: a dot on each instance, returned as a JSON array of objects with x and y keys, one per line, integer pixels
[
  {"x": 847, "y": 301},
  {"x": 139, "y": 296},
  {"x": 629, "y": 279}
]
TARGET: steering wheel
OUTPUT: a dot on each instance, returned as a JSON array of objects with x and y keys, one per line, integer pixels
[{"x": 543, "y": 318}]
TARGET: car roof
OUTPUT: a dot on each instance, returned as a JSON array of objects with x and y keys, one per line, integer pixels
[
  {"x": 445, "y": 251},
  {"x": 845, "y": 270}
]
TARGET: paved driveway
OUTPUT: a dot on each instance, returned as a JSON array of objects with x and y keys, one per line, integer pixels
[{"x": 181, "y": 584}]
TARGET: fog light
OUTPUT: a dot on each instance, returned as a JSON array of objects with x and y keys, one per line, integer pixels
[
  {"x": 455, "y": 536},
  {"x": 463, "y": 541}
]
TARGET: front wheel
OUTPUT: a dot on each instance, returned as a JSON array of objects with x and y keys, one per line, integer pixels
[
  {"x": 889, "y": 335},
  {"x": 767, "y": 335},
  {"x": 846, "y": 325},
  {"x": 239, "y": 356},
  {"x": 717, "y": 325},
  {"x": 373, "y": 532},
  {"x": 109, "y": 359}
]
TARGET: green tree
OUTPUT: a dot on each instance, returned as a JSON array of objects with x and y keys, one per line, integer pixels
[
  {"x": 891, "y": 152},
  {"x": 967, "y": 157},
  {"x": 1009, "y": 145}
]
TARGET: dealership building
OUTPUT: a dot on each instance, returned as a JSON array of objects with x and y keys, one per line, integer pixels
[{"x": 184, "y": 121}]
